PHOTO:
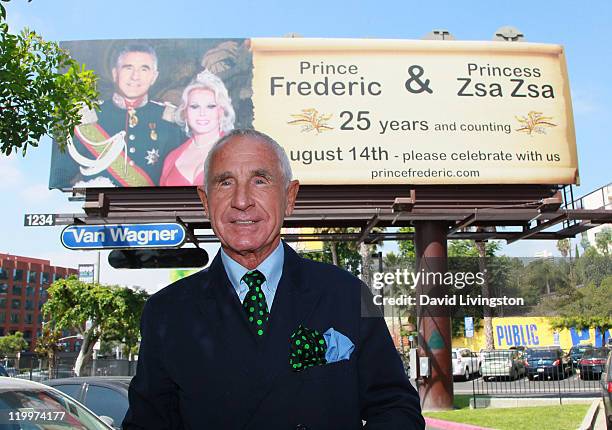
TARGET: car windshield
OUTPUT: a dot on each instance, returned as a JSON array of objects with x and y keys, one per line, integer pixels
[
  {"x": 45, "y": 410},
  {"x": 596, "y": 353}
]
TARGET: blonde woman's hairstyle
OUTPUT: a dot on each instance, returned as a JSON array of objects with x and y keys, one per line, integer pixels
[{"x": 208, "y": 81}]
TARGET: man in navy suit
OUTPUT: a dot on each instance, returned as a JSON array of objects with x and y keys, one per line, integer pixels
[{"x": 216, "y": 346}]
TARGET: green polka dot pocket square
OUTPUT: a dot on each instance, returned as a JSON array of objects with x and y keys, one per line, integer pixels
[{"x": 310, "y": 348}]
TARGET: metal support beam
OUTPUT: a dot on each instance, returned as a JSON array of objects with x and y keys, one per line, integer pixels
[
  {"x": 99, "y": 207},
  {"x": 552, "y": 204},
  {"x": 189, "y": 232},
  {"x": 404, "y": 204},
  {"x": 368, "y": 228},
  {"x": 463, "y": 224},
  {"x": 538, "y": 228}
]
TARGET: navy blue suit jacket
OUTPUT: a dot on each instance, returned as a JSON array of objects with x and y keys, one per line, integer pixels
[{"x": 202, "y": 367}]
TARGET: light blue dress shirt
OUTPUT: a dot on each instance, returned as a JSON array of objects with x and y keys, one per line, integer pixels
[
  {"x": 271, "y": 267},
  {"x": 339, "y": 347}
]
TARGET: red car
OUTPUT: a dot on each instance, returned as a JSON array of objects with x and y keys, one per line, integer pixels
[{"x": 592, "y": 363}]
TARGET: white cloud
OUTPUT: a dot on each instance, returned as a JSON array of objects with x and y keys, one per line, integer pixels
[
  {"x": 10, "y": 173},
  {"x": 36, "y": 194},
  {"x": 37, "y": 198},
  {"x": 17, "y": 22},
  {"x": 584, "y": 102},
  {"x": 100, "y": 182}
]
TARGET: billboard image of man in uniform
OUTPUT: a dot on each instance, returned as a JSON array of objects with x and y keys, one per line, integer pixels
[{"x": 125, "y": 143}]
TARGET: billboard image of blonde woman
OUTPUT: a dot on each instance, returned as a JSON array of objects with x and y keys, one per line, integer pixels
[{"x": 205, "y": 114}]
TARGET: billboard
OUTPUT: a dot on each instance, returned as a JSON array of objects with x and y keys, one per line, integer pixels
[
  {"x": 533, "y": 332},
  {"x": 347, "y": 111}
]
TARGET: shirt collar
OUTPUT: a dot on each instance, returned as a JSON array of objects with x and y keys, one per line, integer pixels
[
  {"x": 271, "y": 267},
  {"x": 120, "y": 101}
]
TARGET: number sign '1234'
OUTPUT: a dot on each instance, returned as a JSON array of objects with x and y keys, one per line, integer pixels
[{"x": 39, "y": 220}]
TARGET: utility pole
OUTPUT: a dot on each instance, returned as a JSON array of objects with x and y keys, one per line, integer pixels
[{"x": 98, "y": 271}]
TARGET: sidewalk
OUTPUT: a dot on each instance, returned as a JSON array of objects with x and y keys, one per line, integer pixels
[
  {"x": 600, "y": 422},
  {"x": 437, "y": 424},
  {"x": 587, "y": 424}
]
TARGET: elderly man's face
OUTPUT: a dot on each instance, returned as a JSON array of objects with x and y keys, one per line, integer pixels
[
  {"x": 134, "y": 74},
  {"x": 247, "y": 199}
]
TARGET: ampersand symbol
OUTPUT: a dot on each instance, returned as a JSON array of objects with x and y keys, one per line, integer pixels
[{"x": 415, "y": 73}]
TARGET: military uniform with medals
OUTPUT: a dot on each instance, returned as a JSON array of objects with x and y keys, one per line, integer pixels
[{"x": 125, "y": 144}]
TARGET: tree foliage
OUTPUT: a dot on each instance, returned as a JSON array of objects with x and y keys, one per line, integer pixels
[
  {"x": 603, "y": 240},
  {"x": 593, "y": 267},
  {"x": 564, "y": 246},
  {"x": 342, "y": 254},
  {"x": 591, "y": 308},
  {"x": 406, "y": 247},
  {"x": 468, "y": 248},
  {"x": 12, "y": 343},
  {"x": 96, "y": 312},
  {"x": 43, "y": 89},
  {"x": 48, "y": 345}
]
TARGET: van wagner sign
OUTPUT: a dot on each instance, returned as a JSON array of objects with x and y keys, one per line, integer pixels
[{"x": 347, "y": 111}]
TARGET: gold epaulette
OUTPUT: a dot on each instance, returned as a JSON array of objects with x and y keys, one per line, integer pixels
[
  {"x": 169, "y": 112},
  {"x": 88, "y": 115}
]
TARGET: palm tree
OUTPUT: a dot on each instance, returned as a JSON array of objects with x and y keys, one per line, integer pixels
[{"x": 563, "y": 246}]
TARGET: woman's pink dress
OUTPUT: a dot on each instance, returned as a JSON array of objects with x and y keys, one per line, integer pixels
[{"x": 171, "y": 175}]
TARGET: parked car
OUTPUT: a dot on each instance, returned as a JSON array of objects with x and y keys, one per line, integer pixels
[
  {"x": 576, "y": 353},
  {"x": 465, "y": 362},
  {"x": 606, "y": 390},
  {"x": 519, "y": 348},
  {"x": 592, "y": 363},
  {"x": 105, "y": 395},
  {"x": 547, "y": 362},
  {"x": 502, "y": 364},
  {"x": 33, "y": 406}
]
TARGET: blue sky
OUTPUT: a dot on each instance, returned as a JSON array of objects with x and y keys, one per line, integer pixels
[{"x": 582, "y": 29}]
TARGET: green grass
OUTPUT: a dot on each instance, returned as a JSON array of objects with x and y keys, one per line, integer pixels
[{"x": 566, "y": 417}]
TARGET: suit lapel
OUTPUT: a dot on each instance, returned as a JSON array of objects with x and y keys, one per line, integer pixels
[
  {"x": 294, "y": 301},
  {"x": 222, "y": 311},
  {"x": 267, "y": 360}
]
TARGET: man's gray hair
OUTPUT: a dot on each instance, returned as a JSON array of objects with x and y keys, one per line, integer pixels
[
  {"x": 283, "y": 160},
  {"x": 136, "y": 47}
]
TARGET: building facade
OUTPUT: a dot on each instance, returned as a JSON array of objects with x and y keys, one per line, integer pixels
[{"x": 23, "y": 291}]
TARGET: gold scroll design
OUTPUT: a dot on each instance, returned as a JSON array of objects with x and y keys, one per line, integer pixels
[
  {"x": 310, "y": 119},
  {"x": 534, "y": 122}
]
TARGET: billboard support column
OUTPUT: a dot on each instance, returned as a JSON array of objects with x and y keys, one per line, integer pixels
[{"x": 435, "y": 390}]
